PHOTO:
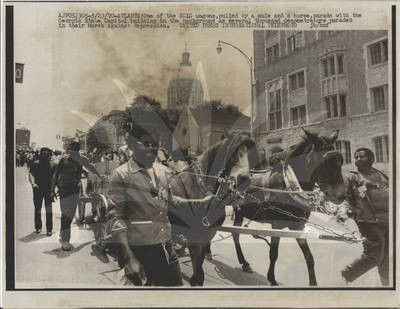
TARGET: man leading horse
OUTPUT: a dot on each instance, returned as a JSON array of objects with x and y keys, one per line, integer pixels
[{"x": 138, "y": 210}]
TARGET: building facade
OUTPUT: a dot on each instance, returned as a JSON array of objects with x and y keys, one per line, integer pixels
[
  {"x": 22, "y": 138},
  {"x": 323, "y": 81},
  {"x": 198, "y": 128},
  {"x": 185, "y": 89}
]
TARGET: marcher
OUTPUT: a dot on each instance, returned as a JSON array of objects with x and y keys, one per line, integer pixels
[
  {"x": 368, "y": 197},
  {"x": 40, "y": 174},
  {"x": 138, "y": 212},
  {"x": 67, "y": 178}
]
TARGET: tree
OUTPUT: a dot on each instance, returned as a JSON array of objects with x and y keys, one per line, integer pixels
[
  {"x": 97, "y": 139},
  {"x": 146, "y": 109},
  {"x": 101, "y": 136},
  {"x": 79, "y": 137},
  {"x": 218, "y": 106},
  {"x": 142, "y": 108}
]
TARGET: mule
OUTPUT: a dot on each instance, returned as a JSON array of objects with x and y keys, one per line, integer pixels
[
  {"x": 224, "y": 165},
  {"x": 313, "y": 161}
]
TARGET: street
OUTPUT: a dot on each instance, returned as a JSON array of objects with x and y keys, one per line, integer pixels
[{"x": 40, "y": 263}]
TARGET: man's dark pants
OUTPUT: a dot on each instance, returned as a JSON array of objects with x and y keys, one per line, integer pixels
[
  {"x": 38, "y": 196},
  {"x": 68, "y": 204},
  {"x": 160, "y": 264},
  {"x": 376, "y": 253}
]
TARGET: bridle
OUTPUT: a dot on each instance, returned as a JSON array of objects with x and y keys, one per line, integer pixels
[{"x": 222, "y": 184}]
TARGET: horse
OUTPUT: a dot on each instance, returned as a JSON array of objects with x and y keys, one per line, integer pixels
[
  {"x": 313, "y": 161},
  {"x": 223, "y": 165}
]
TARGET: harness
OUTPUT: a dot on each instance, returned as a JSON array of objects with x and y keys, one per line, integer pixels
[
  {"x": 293, "y": 187},
  {"x": 361, "y": 186}
]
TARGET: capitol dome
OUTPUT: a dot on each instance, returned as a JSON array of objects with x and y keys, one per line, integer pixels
[{"x": 185, "y": 89}]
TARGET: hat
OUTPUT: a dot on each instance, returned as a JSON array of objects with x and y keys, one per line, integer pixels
[
  {"x": 74, "y": 146},
  {"x": 45, "y": 149},
  {"x": 139, "y": 128}
]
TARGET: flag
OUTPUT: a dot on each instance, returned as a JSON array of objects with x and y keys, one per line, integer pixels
[{"x": 19, "y": 72}]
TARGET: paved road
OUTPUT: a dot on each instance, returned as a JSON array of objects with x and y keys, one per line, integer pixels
[{"x": 41, "y": 263}]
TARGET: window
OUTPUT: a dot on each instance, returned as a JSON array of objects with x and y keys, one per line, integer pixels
[
  {"x": 298, "y": 115},
  {"x": 323, "y": 34},
  {"x": 294, "y": 41},
  {"x": 335, "y": 107},
  {"x": 381, "y": 149},
  {"x": 272, "y": 53},
  {"x": 342, "y": 98},
  {"x": 296, "y": 81},
  {"x": 379, "y": 98},
  {"x": 332, "y": 65},
  {"x": 339, "y": 59},
  {"x": 274, "y": 105},
  {"x": 378, "y": 52},
  {"x": 344, "y": 148},
  {"x": 270, "y": 33}
]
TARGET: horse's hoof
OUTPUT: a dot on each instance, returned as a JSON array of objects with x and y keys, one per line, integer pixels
[
  {"x": 247, "y": 269},
  {"x": 100, "y": 254},
  {"x": 209, "y": 256},
  {"x": 313, "y": 284}
]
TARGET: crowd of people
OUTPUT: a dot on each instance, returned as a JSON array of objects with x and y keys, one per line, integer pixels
[{"x": 138, "y": 204}]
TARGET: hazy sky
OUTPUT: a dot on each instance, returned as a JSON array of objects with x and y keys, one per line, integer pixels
[{"x": 74, "y": 69}]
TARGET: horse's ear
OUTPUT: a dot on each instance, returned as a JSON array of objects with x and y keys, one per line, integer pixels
[
  {"x": 332, "y": 137},
  {"x": 310, "y": 136}
]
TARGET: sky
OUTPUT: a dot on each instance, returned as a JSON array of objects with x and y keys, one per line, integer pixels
[{"x": 71, "y": 72}]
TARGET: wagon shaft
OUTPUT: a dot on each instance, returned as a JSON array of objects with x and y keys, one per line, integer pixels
[{"x": 284, "y": 233}]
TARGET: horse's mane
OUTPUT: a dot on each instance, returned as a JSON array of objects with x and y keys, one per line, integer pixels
[{"x": 301, "y": 148}]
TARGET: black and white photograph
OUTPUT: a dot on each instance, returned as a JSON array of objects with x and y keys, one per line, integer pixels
[{"x": 199, "y": 147}]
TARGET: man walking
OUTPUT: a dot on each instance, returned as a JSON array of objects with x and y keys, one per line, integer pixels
[
  {"x": 368, "y": 197},
  {"x": 67, "y": 177},
  {"x": 138, "y": 211},
  {"x": 40, "y": 174}
]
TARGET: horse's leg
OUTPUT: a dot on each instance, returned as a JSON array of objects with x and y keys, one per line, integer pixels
[
  {"x": 309, "y": 260},
  {"x": 273, "y": 256},
  {"x": 245, "y": 265},
  {"x": 197, "y": 253}
]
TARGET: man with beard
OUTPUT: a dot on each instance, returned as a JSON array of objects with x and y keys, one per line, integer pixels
[
  {"x": 67, "y": 178},
  {"x": 138, "y": 211},
  {"x": 40, "y": 174},
  {"x": 368, "y": 197}
]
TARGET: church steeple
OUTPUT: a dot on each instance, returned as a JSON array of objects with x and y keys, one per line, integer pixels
[{"x": 185, "y": 57}]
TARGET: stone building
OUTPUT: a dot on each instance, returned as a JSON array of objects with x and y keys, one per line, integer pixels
[
  {"x": 22, "y": 138},
  {"x": 322, "y": 81},
  {"x": 198, "y": 128},
  {"x": 185, "y": 89}
]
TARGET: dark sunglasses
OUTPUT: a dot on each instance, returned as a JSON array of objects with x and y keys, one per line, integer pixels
[{"x": 148, "y": 143}]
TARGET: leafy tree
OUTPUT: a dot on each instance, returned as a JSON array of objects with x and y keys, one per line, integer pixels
[
  {"x": 218, "y": 106},
  {"x": 79, "y": 137},
  {"x": 97, "y": 138}
]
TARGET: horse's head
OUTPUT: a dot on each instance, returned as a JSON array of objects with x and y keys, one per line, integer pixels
[
  {"x": 233, "y": 157},
  {"x": 315, "y": 161}
]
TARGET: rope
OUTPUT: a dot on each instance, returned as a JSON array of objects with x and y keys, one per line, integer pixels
[{"x": 282, "y": 191}]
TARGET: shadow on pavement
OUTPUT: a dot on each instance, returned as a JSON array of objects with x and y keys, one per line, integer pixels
[
  {"x": 237, "y": 276},
  {"x": 32, "y": 237},
  {"x": 60, "y": 253}
]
